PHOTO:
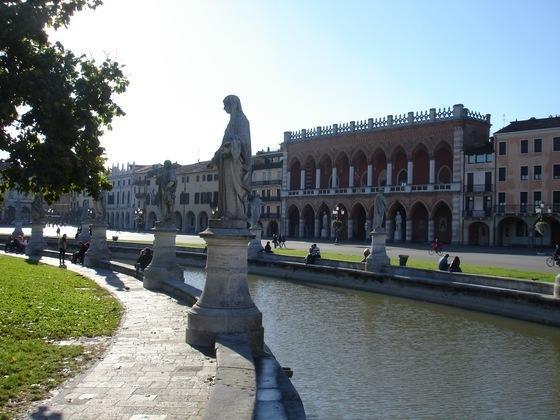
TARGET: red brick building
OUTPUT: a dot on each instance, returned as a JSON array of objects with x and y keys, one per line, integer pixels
[{"x": 416, "y": 160}]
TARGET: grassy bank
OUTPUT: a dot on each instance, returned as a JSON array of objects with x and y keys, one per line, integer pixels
[
  {"x": 40, "y": 305},
  {"x": 430, "y": 265}
]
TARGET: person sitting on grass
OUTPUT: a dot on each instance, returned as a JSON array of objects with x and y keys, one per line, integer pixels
[
  {"x": 268, "y": 248},
  {"x": 455, "y": 266},
  {"x": 143, "y": 261},
  {"x": 443, "y": 264}
]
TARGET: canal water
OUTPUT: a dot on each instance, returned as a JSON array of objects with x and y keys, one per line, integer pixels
[{"x": 358, "y": 355}]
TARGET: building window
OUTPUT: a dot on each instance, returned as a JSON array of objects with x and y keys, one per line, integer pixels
[
  {"x": 556, "y": 201},
  {"x": 524, "y": 146},
  {"x": 197, "y": 178},
  {"x": 523, "y": 197},
  {"x": 537, "y": 172},
  {"x": 502, "y": 148},
  {"x": 278, "y": 211},
  {"x": 215, "y": 199},
  {"x": 203, "y": 198},
  {"x": 188, "y": 180},
  {"x": 469, "y": 203},
  {"x": 196, "y": 198},
  {"x": 204, "y": 177},
  {"x": 524, "y": 173},
  {"x": 501, "y": 174},
  {"x": 537, "y": 145},
  {"x": 556, "y": 171},
  {"x": 537, "y": 199},
  {"x": 502, "y": 201},
  {"x": 556, "y": 144}
]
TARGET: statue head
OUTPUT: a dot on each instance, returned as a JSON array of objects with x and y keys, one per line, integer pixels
[
  {"x": 167, "y": 164},
  {"x": 232, "y": 104}
]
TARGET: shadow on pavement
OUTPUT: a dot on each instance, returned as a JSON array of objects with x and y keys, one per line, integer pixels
[{"x": 43, "y": 413}]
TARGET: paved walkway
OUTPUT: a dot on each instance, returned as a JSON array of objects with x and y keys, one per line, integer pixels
[{"x": 148, "y": 372}]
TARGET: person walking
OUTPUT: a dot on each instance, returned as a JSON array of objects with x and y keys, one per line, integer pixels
[
  {"x": 62, "y": 244},
  {"x": 58, "y": 231}
]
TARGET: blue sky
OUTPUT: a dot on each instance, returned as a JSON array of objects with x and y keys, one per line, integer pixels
[{"x": 299, "y": 64}]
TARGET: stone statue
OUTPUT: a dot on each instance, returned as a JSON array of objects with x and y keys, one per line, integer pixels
[
  {"x": 167, "y": 185},
  {"x": 37, "y": 211},
  {"x": 99, "y": 207},
  {"x": 325, "y": 222},
  {"x": 255, "y": 207},
  {"x": 379, "y": 208},
  {"x": 398, "y": 226},
  {"x": 233, "y": 161}
]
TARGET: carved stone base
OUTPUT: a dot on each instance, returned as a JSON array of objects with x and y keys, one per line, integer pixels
[
  {"x": 378, "y": 257},
  {"x": 255, "y": 246},
  {"x": 98, "y": 254},
  {"x": 225, "y": 306},
  {"x": 36, "y": 242},
  {"x": 164, "y": 262}
]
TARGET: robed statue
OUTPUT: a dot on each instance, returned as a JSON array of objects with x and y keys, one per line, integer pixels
[
  {"x": 167, "y": 185},
  {"x": 255, "y": 210},
  {"x": 37, "y": 210},
  {"x": 99, "y": 209},
  {"x": 233, "y": 162},
  {"x": 379, "y": 207}
]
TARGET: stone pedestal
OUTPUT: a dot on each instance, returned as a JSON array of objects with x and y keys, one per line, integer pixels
[
  {"x": 378, "y": 257},
  {"x": 84, "y": 234},
  {"x": 225, "y": 306},
  {"x": 36, "y": 242},
  {"x": 324, "y": 233},
  {"x": 255, "y": 246},
  {"x": 557, "y": 287},
  {"x": 164, "y": 262},
  {"x": 98, "y": 254},
  {"x": 17, "y": 229}
]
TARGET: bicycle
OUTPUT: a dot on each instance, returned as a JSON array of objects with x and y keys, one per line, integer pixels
[
  {"x": 438, "y": 251},
  {"x": 551, "y": 260}
]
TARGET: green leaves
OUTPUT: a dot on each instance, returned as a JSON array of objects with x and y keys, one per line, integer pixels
[{"x": 54, "y": 106}]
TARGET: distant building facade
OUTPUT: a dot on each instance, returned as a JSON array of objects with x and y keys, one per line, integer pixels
[
  {"x": 527, "y": 155},
  {"x": 415, "y": 159},
  {"x": 267, "y": 183}
]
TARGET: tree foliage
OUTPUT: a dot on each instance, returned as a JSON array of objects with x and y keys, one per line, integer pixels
[{"x": 54, "y": 105}]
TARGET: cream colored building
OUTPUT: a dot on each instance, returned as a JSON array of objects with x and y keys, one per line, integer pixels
[{"x": 527, "y": 155}]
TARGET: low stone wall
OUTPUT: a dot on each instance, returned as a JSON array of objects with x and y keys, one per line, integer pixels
[{"x": 518, "y": 304}]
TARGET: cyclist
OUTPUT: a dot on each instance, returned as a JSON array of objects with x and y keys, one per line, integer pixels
[{"x": 436, "y": 245}]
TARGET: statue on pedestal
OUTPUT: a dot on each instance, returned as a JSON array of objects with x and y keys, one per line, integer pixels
[
  {"x": 398, "y": 227},
  {"x": 37, "y": 211},
  {"x": 99, "y": 209},
  {"x": 233, "y": 161},
  {"x": 379, "y": 207},
  {"x": 167, "y": 185},
  {"x": 255, "y": 206}
]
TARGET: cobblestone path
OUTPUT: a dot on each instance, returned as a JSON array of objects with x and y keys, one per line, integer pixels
[{"x": 148, "y": 372}]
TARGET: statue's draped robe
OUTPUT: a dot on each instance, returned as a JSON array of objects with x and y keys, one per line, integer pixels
[{"x": 233, "y": 160}]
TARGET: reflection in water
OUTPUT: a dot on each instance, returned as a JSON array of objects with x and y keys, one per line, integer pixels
[{"x": 358, "y": 355}]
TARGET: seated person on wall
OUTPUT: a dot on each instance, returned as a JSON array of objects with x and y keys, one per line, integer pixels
[
  {"x": 455, "y": 266},
  {"x": 144, "y": 260},
  {"x": 367, "y": 253},
  {"x": 10, "y": 245},
  {"x": 443, "y": 264},
  {"x": 20, "y": 243},
  {"x": 314, "y": 254},
  {"x": 79, "y": 255},
  {"x": 268, "y": 248}
]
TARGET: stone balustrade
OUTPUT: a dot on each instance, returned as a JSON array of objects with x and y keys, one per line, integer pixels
[{"x": 458, "y": 111}]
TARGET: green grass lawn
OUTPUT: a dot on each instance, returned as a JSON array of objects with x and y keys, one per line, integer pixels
[
  {"x": 430, "y": 265},
  {"x": 40, "y": 304}
]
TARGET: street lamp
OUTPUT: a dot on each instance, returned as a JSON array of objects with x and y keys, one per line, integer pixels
[
  {"x": 50, "y": 213},
  {"x": 138, "y": 213},
  {"x": 337, "y": 213}
]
